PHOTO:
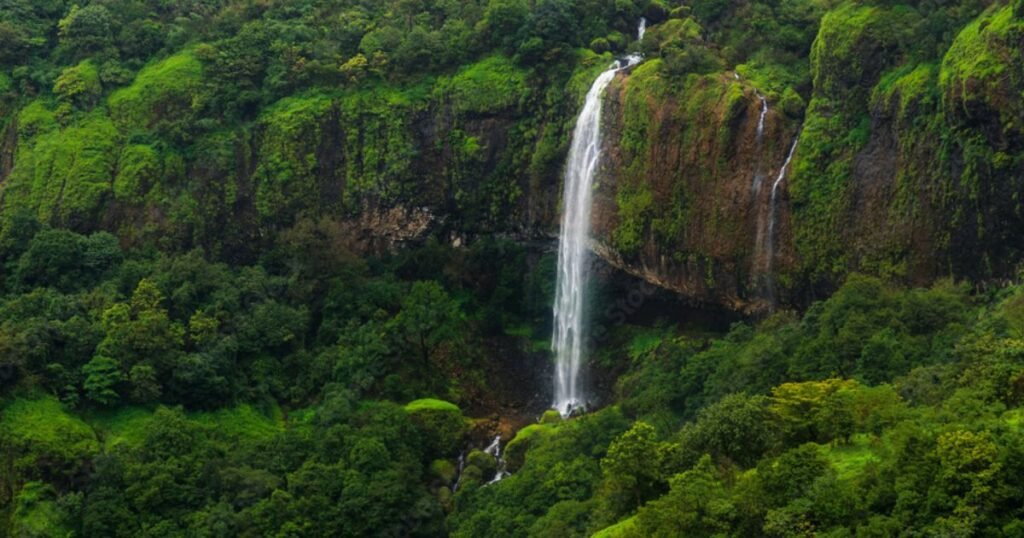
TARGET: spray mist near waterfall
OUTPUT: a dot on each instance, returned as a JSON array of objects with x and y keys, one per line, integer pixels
[{"x": 573, "y": 255}]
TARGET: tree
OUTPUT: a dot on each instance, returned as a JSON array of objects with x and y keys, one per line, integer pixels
[
  {"x": 86, "y": 30},
  {"x": 502, "y": 21},
  {"x": 102, "y": 374},
  {"x": 739, "y": 428},
  {"x": 141, "y": 331},
  {"x": 631, "y": 468},
  {"x": 66, "y": 260},
  {"x": 429, "y": 320},
  {"x": 791, "y": 475},
  {"x": 696, "y": 505},
  {"x": 970, "y": 474}
]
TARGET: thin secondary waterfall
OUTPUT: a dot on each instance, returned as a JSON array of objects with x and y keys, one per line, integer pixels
[
  {"x": 759, "y": 143},
  {"x": 772, "y": 217},
  {"x": 581, "y": 166},
  {"x": 760, "y": 119}
]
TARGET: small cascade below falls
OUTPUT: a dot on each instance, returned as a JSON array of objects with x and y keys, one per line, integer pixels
[
  {"x": 472, "y": 461},
  {"x": 580, "y": 170},
  {"x": 494, "y": 450},
  {"x": 458, "y": 471}
]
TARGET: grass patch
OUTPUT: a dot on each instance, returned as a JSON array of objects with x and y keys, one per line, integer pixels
[
  {"x": 44, "y": 438},
  {"x": 122, "y": 426},
  {"x": 241, "y": 422},
  {"x": 626, "y": 527},
  {"x": 850, "y": 459}
]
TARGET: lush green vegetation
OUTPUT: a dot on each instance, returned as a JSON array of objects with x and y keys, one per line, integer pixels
[
  {"x": 879, "y": 411},
  {"x": 274, "y": 269},
  {"x": 166, "y": 394}
]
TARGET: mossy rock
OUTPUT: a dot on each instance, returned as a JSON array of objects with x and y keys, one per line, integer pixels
[
  {"x": 444, "y": 470},
  {"x": 445, "y": 499},
  {"x": 515, "y": 451},
  {"x": 441, "y": 423},
  {"x": 62, "y": 174},
  {"x": 656, "y": 12},
  {"x": 482, "y": 460},
  {"x": 139, "y": 167},
  {"x": 982, "y": 74},
  {"x": 471, "y": 475},
  {"x": 854, "y": 46},
  {"x": 550, "y": 417},
  {"x": 792, "y": 104},
  {"x": 164, "y": 90}
]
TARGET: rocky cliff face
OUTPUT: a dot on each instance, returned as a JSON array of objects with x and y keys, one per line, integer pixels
[
  {"x": 911, "y": 171},
  {"x": 686, "y": 190}
]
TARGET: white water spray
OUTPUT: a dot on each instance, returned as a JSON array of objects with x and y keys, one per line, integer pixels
[
  {"x": 641, "y": 29},
  {"x": 581, "y": 167}
]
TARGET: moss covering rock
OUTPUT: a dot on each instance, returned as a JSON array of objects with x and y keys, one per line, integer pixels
[{"x": 441, "y": 423}]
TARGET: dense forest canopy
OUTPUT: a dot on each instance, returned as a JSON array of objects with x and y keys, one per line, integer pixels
[{"x": 285, "y": 268}]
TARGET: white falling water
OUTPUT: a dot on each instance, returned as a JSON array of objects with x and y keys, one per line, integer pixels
[
  {"x": 758, "y": 176},
  {"x": 581, "y": 166},
  {"x": 770, "y": 239},
  {"x": 760, "y": 119},
  {"x": 641, "y": 29},
  {"x": 458, "y": 472},
  {"x": 494, "y": 450}
]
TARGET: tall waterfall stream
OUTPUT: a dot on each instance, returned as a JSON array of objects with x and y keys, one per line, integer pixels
[{"x": 573, "y": 256}]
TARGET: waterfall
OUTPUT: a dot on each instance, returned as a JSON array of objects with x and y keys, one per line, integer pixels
[
  {"x": 760, "y": 119},
  {"x": 581, "y": 166},
  {"x": 641, "y": 29},
  {"x": 770, "y": 239},
  {"x": 458, "y": 472},
  {"x": 759, "y": 142}
]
